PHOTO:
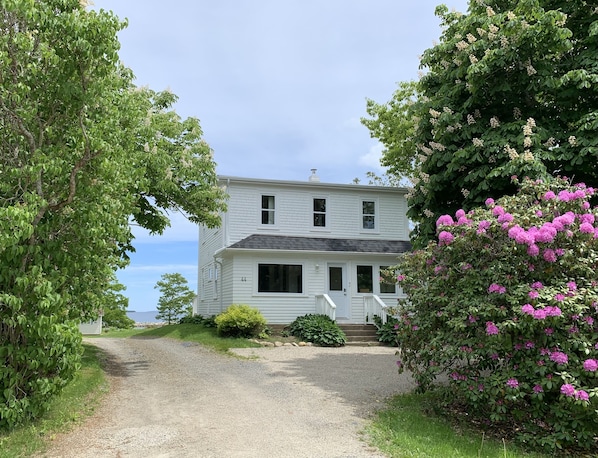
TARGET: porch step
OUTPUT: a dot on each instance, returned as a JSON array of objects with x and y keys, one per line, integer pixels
[
  {"x": 360, "y": 334},
  {"x": 357, "y": 334}
]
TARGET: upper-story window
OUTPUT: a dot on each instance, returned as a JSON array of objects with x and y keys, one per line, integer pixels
[
  {"x": 368, "y": 214},
  {"x": 268, "y": 210},
  {"x": 319, "y": 212}
]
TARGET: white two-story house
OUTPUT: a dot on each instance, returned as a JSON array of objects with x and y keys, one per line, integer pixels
[{"x": 291, "y": 248}]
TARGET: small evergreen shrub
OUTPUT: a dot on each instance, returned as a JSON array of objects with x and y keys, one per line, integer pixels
[
  {"x": 505, "y": 305},
  {"x": 240, "y": 320},
  {"x": 318, "y": 329}
]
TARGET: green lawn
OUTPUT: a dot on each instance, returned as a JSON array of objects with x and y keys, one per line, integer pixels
[
  {"x": 403, "y": 429},
  {"x": 187, "y": 332}
]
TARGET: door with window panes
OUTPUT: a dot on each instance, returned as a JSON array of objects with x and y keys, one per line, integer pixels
[{"x": 338, "y": 289}]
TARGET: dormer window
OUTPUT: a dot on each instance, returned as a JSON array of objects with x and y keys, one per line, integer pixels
[{"x": 268, "y": 210}]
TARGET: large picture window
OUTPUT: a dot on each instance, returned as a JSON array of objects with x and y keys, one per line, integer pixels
[
  {"x": 268, "y": 209},
  {"x": 280, "y": 278}
]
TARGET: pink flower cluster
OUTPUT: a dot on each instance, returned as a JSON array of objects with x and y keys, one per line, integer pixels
[
  {"x": 547, "y": 232},
  {"x": 569, "y": 390},
  {"x": 559, "y": 357},
  {"x": 512, "y": 383},
  {"x": 445, "y": 238},
  {"x": 496, "y": 288},
  {"x": 565, "y": 195},
  {"x": 491, "y": 328},
  {"x": 590, "y": 365},
  {"x": 541, "y": 313}
]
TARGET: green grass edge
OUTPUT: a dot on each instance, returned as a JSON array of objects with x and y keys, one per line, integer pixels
[{"x": 407, "y": 427}]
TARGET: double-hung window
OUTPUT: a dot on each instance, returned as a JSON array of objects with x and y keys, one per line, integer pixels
[
  {"x": 268, "y": 210},
  {"x": 280, "y": 278},
  {"x": 319, "y": 215},
  {"x": 368, "y": 214}
]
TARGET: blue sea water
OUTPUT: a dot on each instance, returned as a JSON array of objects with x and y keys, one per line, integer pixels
[{"x": 144, "y": 317}]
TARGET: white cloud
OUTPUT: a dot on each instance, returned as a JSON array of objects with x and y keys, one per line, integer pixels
[{"x": 372, "y": 158}]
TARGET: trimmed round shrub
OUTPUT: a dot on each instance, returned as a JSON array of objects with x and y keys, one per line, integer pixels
[
  {"x": 505, "y": 306},
  {"x": 318, "y": 329},
  {"x": 240, "y": 320}
]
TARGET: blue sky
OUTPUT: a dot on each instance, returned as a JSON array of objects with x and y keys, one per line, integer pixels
[{"x": 279, "y": 87}]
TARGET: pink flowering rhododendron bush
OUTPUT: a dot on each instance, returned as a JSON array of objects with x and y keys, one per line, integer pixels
[{"x": 504, "y": 308}]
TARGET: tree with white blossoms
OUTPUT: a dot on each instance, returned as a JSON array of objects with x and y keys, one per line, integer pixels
[
  {"x": 82, "y": 153},
  {"x": 510, "y": 89}
]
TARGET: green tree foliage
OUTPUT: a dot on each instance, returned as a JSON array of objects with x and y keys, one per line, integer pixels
[
  {"x": 510, "y": 89},
  {"x": 505, "y": 306},
  {"x": 82, "y": 152},
  {"x": 176, "y": 298},
  {"x": 114, "y": 308}
]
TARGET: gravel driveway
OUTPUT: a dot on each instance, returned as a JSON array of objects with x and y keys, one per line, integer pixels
[{"x": 178, "y": 399}]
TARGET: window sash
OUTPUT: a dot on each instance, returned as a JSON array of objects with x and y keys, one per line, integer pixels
[
  {"x": 268, "y": 209},
  {"x": 368, "y": 212},
  {"x": 319, "y": 216}
]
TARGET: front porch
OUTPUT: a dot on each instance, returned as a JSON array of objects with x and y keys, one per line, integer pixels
[{"x": 363, "y": 309}]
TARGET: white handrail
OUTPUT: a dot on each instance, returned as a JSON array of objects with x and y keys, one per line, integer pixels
[
  {"x": 373, "y": 305},
  {"x": 325, "y": 306}
]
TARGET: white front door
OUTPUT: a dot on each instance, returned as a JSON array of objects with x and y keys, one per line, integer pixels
[{"x": 337, "y": 289}]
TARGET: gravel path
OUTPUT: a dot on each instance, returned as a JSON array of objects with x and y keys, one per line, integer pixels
[{"x": 178, "y": 399}]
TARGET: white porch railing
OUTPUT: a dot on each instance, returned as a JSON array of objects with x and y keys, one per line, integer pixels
[
  {"x": 325, "y": 306},
  {"x": 373, "y": 305}
]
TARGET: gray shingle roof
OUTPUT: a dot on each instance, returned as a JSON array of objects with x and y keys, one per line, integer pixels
[{"x": 280, "y": 242}]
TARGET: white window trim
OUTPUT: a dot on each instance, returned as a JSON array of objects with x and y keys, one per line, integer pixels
[
  {"x": 376, "y": 228},
  {"x": 275, "y": 210},
  {"x": 256, "y": 273},
  {"x": 326, "y": 227}
]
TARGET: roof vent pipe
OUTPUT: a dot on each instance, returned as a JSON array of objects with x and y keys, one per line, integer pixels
[{"x": 313, "y": 178}]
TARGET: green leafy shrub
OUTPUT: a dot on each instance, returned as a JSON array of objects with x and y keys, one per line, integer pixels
[
  {"x": 319, "y": 329},
  {"x": 210, "y": 322},
  {"x": 506, "y": 305},
  {"x": 40, "y": 354},
  {"x": 387, "y": 332},
  {"x": 240, "y": 320},
  {"x": 192, "y": 319}
]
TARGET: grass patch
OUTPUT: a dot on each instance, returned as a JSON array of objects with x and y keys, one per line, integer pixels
[
  {"x": 206, "y": 336},
  {"x": 76, "y": 402},
  {"x": 406, "y": 429}
]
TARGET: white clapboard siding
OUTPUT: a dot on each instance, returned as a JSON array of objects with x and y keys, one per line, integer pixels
[{"x": 236, "y": 281}]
